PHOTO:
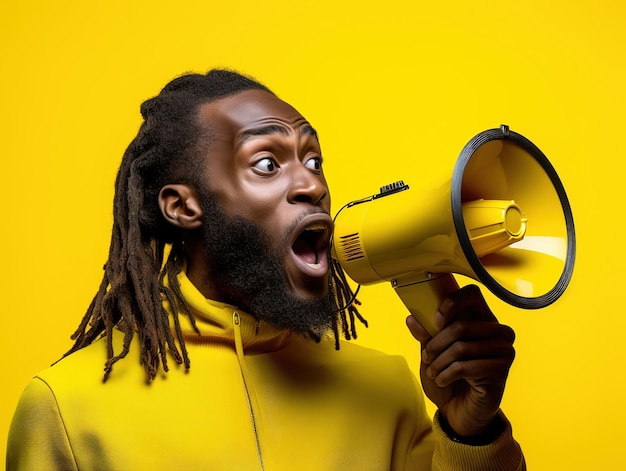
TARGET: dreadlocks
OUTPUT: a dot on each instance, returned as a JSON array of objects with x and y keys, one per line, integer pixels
[{"x": 144, "y": 249}]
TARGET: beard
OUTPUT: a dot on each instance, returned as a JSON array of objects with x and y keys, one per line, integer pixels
[{"x": 250, "y": 275}]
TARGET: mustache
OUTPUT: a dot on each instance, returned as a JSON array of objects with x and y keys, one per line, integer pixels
[{"x": 301, "y": 216}]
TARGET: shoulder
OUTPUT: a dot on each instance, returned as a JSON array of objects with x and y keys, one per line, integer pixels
[
  {"x": 81, "y": 374},
  {"x": 89, "y": 360}
]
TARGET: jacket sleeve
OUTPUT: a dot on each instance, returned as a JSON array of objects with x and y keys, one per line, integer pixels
[
  {"x": 503, "y": 454},
  {"x": 432, "y": 449},
  {"x": 37, "y": 436}
]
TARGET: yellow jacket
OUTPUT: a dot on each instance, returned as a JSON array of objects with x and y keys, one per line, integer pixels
[{"x": 255, "y": 398}]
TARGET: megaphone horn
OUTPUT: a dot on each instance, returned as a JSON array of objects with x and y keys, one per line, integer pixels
[{"x": 503, "y": 219}]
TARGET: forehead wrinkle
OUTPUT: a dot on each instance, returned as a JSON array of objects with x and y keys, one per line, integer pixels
[{"x": 305, "y": 129}]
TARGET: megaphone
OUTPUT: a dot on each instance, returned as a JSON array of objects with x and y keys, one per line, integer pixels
[{"x": 501, "y": 218}]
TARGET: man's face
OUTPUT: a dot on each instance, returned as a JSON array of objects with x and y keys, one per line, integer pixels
[{"x": 264, "y": 166}]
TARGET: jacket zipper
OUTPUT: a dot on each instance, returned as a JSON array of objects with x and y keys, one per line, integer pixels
[{"x": 245, "y": 374}]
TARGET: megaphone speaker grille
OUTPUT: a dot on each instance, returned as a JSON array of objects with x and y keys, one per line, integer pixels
[{"x": 535, "y": 269}]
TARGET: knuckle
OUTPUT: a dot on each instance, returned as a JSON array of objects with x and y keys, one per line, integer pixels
[
  {"x": 462, "y": 349},
  {"x": 512, "y": 354},
  {"x": 456, "y": 369},
  {"x": 459, "y": 328},
  {"x": 472, "y": 289},
  {"x": 508, "y": 332}
]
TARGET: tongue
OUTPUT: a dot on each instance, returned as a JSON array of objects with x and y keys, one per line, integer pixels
[{"x": 304, "y": 251}]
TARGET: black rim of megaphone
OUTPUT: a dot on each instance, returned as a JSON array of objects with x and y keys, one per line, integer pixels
[{"x": 457, "y": 213}]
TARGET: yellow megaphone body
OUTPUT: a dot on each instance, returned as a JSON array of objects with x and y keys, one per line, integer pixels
[{"x": 503, "y": 219}]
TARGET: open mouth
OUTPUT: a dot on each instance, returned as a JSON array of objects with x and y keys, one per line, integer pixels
[
  {"x": 307, "y": 245},
  {"x": 311, "y": 244}
]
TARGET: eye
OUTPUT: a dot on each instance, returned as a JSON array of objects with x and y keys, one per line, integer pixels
[
  {"x": 265, "y": 165},
  {"x": 314, "y": 163}
]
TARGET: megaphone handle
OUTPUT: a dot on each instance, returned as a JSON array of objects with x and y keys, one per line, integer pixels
[{"x": 423, "y": 297}]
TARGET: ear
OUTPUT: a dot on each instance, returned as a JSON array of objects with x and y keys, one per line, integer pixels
[{"x": 180, "y": 206}]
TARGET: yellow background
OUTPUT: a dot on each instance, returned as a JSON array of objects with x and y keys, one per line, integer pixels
[{"x": 395, "y": 90}]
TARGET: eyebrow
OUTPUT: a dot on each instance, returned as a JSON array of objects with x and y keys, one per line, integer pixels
[
  {"x": 308, "y": 129},
  {"x": 274, "y": 129}
]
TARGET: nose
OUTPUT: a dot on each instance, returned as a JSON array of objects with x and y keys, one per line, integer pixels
[{"x": 307, "y": 186}]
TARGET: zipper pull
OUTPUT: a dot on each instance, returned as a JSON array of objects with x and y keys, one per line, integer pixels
[{"x": 237, "y": 333}]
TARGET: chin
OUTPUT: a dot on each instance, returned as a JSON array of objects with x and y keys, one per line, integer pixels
[{"x": 313, "y": 291}]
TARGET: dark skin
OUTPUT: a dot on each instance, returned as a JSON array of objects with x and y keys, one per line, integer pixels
[
  {"x": 265, "y": 165},
  {"x": 465, "y": 365}
]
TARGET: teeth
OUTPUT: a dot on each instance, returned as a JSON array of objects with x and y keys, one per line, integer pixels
[
  {"x": 315, "y": 265},
  {"x": 315, "y": 227}
]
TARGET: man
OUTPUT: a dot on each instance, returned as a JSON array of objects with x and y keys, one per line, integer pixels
[{"x": 220, "y": 257}]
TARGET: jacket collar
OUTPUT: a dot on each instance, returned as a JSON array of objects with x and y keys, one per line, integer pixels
[{"x": 214, "y": 320}]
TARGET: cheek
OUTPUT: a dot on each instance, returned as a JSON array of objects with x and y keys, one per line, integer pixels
[
  {"x": 252, "y": 204},
  {"x": 266, "y": 209},
  {"x": 258, "y": 200}
]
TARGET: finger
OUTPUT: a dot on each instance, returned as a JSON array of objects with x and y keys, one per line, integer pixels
[
  {"x": 480, "y": 334},
  {"x": 459, "y": 362},
  {"x": 417, "y": 330},
  {"x": 466, "y": 303},
  {"x": 485, "y": 372}
]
